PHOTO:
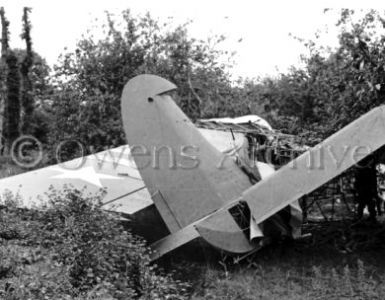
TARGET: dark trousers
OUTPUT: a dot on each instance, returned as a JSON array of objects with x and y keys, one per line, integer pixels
[
  {"x": 379, "y": 204},
  {"x": 369, "y": 200}
]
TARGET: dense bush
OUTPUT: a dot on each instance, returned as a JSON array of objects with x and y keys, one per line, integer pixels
[{"x": 74, "y": 249}]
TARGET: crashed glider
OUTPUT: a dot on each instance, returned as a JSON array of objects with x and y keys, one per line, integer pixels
[
  {"x": 190, "y": 181},
  {"x": 196, "y": 191}
]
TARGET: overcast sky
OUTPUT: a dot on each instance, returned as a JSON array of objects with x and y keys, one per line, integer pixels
[{"x": 263, "y": 26}]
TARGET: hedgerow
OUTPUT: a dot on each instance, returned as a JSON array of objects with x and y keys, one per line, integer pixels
[{"x": 73, "y": 249}]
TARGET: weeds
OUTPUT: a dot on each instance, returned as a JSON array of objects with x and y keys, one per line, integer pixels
[
  {"x": 257, "y": 282},
  {"x": 75, "y": 250}
]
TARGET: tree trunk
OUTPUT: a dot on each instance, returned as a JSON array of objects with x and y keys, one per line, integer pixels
[
  {"x": 3, "y": 71},
  {"x": 26, "y": 90},
  {"x": 12, "y": 103}
]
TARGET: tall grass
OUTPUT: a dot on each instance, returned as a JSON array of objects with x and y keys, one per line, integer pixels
[{"x": 349, "y": 282}]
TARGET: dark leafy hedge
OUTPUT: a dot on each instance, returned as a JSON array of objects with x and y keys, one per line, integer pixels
[{"x": 83, "y": 250}]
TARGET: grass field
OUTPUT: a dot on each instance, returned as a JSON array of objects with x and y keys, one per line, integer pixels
[{"x": 340, "y": 261}]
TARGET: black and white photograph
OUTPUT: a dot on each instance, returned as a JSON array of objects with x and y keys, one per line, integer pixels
[{"x": 203, "y": 150}]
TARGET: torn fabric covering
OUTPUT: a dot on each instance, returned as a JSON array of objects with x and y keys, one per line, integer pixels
[
  {"x": 242, "y": 120},
  {"x": 236, "y": 145}
]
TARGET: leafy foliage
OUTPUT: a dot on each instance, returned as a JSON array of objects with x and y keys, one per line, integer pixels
[
  {"x": 23, "y": 86},
  {"x": 77, "y": 250},
  {"x": 90, "y": 81},
  {"x": 336, "y": 86},
  {"x": 12, "y": 106}
]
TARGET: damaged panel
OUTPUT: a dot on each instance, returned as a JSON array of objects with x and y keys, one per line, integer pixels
[{"x": 317, "y": 166}]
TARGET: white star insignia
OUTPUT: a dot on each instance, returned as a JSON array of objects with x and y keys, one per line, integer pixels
[{"x": 87, "y": 174}]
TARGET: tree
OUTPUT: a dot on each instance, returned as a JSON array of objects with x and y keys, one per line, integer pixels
[
  {"x": 27, "y": 100},
  {"x": 40, "y": 96},
  {"x": 12, "y": 104},
  {"x": 90, "y": 81},
  {"x": 24, "y": 86},
  {"x": 349, "y": 81},
  {"x": 4, "y": 51},
  {"x": 335, "y": 87}
]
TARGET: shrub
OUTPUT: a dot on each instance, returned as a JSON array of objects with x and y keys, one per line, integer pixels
[{"x": 89, "y": 253}]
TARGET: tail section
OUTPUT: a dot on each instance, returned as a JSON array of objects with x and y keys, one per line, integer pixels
[
  {"x": 195, "y": 187},
  {"x": 187, "y": 177}
]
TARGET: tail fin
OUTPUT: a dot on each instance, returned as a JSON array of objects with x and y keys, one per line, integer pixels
[{"x": 187, "y": 177}]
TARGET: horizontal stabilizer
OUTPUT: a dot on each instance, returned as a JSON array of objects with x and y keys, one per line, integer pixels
[{"x": 317, "y": 166}]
